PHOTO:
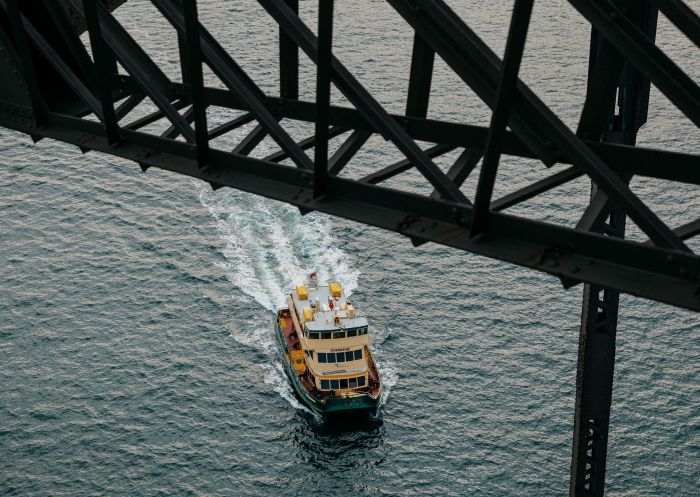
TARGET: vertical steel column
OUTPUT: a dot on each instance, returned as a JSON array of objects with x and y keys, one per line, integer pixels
[
  {"x": 323, "y": 94},
  {"x": 596, "y": 356},
  {"x": 193, "y": 53},
  {"x": 106, "y": 67},
  {"x": 184, "y": 60},
  {"x": 14, "y": 11},
  {"x": 289, "y": 60},
  {"x": 421, "y": 78}
]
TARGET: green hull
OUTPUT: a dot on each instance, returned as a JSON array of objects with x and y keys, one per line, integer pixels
[{"x": 329, "y": 406}]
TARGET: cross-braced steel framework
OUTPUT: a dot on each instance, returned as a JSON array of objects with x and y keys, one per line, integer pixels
[{"x": 54, "y": 87}]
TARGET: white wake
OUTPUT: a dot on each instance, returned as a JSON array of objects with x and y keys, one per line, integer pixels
[{"x": 270, "y": 246}]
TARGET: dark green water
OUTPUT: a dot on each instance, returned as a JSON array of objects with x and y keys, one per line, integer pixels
[{"x": 136, "y": 350}]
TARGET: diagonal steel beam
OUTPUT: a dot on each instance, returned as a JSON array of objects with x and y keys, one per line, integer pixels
[
  {"x": 155, "y": 116},
  {"x": 682, "y": 16},
  {"x": 229, "y": 126},
  {"x": 685, "y": 232},
  {"x": 72, "y": 41},
  {"x": 305, "y": 144},
  {"x": 598, "y": 210},
  {"x": 531, "y": 191},
  {"x": 172, "y": 132},
  {"x": 347, "y": 151},
  {"x": 128, "y": 105},
  {"x": 463, "y": 167},
  {"x": 252, "y": 140},
  {"x": 402, "y": 166},
  {"x": 63, "y": 69}
]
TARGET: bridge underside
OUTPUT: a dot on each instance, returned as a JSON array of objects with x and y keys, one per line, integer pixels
[
  {"x": 54, "y": 87},
  {"x": 56, "y": 90}
]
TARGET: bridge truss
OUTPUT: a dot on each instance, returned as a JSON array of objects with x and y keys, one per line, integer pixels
[{"x": 53, "y": 86}]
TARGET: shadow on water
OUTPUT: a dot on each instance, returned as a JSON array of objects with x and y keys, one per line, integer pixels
[
  {"x": 337, "y": 424},
  {"x": 339, "y": 442}
]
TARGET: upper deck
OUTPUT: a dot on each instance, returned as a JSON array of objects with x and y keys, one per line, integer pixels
[{"x": 322, "y": 311}]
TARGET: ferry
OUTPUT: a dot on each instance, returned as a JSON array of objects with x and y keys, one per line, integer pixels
[{"x": 325, "y": 350}]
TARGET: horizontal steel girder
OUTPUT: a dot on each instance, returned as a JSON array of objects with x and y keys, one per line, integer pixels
[{"x": 660, "y": 274}]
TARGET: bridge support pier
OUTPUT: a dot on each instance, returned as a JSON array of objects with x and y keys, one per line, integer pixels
[{"x": 596, "y": 355}]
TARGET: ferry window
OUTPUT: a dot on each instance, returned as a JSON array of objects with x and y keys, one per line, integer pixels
[
  {"x": 311, "y": 354},
  {"x": 352, "y": 382},
  {"x": 348, "y": 356},
  {"x": 325, "y": 384},
  {"x": 358, "y": 354},
  {"x": 331, "y": 357},
  {"x": 321, "y": 357},
  {"x": 363, "y": 331},
  {"x": 313, "y": 335},
  {"x": 326, "y": 335},
  {"x": 352, "y": 332},
  {"x": 340, "y": 357},
  {"x": 343, "y": 383},
  {"x": 361, "y": 381},
  {"x": 339, "y": 334},
  {"x": 334, "y": 384}
]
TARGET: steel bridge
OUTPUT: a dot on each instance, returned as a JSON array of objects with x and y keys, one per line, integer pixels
[{"x": 55, "y": 86}]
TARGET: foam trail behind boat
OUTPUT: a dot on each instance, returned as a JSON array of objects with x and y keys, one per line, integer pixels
[{"x": 270, "y": 247}]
